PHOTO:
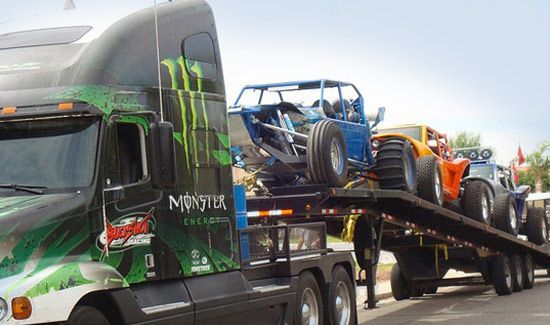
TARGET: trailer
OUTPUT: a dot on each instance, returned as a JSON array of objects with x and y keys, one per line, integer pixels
[{"x": 426, "y": 239}]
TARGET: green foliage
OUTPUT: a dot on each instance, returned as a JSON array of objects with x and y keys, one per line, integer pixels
[
  {"x": 538, "y": 174},
  {"x": 465, "y": 139}
]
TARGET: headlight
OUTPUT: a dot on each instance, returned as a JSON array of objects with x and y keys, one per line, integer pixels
[{"x": 3, "y": 309}]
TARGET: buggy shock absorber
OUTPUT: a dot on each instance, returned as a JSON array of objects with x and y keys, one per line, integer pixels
[{"x": 287, "y": 124}]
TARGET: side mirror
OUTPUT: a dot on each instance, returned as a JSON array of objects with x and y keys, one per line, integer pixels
[
  {"x": 162, "y": 159},
  {"x": 379, "y": 116}
]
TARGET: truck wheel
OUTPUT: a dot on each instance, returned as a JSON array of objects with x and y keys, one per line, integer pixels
[
  {"x": 86, "y": 315},
  {"x": 430, "y": 182},
  {"x": 399, "y": 286},
  {"x": 342, "y": 298},
  {"x": 327, "y": 155},
  {"x": 501, "y": 274},
  {"x": 537, "y": 226},
  {"x": 431, "y": 290},
  {"x": 506, "y": 214},
  {"x": 476, "y": 201},
  {"x": 309, "y": 304},
  {"x": 528, "y": 271},
  {"x": 396, "y": 165},
  {"x": 517, "y": 272}
]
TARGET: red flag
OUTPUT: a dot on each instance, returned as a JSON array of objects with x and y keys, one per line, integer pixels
[
  {"x": 521, "y": 157},
  {"x": 515, "y": 173}
]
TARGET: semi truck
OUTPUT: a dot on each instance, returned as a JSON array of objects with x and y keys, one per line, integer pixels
[{"x": 116, "y": 191}]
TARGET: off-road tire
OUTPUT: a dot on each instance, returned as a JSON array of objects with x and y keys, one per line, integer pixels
[
  {"x": 307, "y": 282},
  {"x": 319, "y": 158},
  {"x": 396, "y": 165},
  {"x": 471, "y": 201},
  {"x": 502, "y": 213},
  {"x": 340, "y": 277},
  {"x": 399, "y": 286},
  {"x": 517, "y": 272},
  {"x": 537, "y": 226},
  {"x": 528, "y": 271},
  {"x": 501, "y": 274},
  {"x": 430, "y": 180},
  {"x": 86, "y": 315}
]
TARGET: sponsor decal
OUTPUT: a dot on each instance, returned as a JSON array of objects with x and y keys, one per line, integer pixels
[
  {"x": 200, "y": 263},
  {"x": 197, "y": 202},
  {"x": 135, "y": 229}
]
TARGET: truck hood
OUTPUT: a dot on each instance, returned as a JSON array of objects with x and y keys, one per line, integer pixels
[{"x": 32, "y": 229}]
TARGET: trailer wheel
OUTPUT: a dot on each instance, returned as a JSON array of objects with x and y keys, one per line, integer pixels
[
  {"x": 342, "y": 298},
  {"x": 476, "y": 201},
  {"x": 86, "y": 315},
  {"x": 309, "y": 303},
  {"x": 537, "y": 226},
  {"x": 327, "y": 155},
  {"x": 430, "y": 182},
  {"x": 528, "y": 271},
  {"x": 399, "y": 286},
  {"x": 517, "y": 272},
  {"x": 506, "y": 214},
  {"x": 396, "y": 165},
  {"x": 501, "y": 274}
]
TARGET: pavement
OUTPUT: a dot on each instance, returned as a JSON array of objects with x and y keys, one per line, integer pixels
[{"x": 460, "y": 305}]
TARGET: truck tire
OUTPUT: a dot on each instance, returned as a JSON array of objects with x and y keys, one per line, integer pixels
[
  {"x": 430, "y": 181},
  {"x": 528, "y": 271},
  {"x": 86, "y": 315},
  {"x": 537, "y": 226},
  {"x": 309, "y": 302},
  {"x": 327, "y": 155},
  {"x": 517, "y": 272},
  {"x": 501, "y": 274},
  {"x": 505, "y": 213},
  {"x": 476, "y": 201},
  {"x": 396, "y": 165},
  {"x": 399, "y": 286},
  {"x": 341, "y": 298}
]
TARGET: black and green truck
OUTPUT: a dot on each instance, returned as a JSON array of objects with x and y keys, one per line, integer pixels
[{"x": 116, "y": 190}]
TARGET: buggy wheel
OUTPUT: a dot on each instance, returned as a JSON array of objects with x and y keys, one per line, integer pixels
[
  {"x": 430, "y": 182},
  {"x": 528, "y": 271},
  {"x": 396, "y": 165},
  {"x": 501, "y": 274},
  {"x": 537, "y": 226},
  {"x": 327, "y": 157},
  {"x": 476, "y": 201},
  {"x": 517, "y": 272},
  {"x": 506, "y": 214}
]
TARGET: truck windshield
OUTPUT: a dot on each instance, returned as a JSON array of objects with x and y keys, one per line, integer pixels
[
  {"x": 413, "y": 132},
  {"x": 51, "y": 153},
  {"x": 483, "y": 171}
]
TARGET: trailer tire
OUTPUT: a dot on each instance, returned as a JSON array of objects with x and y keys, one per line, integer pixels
[
  {"x": 537, "y": 226},
  {"x": 341, "y": 295},
  {"x": 327, "y": 155},
  {"x": 399, "y": 286},
  {"x": 506, "y": 213},
  {"x": 430, "y": 181},
  {"x": 476, "y": 201},
  {"x": 86, "y": 315},
  {"x": 528, "y": 271},
  {"x": 501, "y": 274},
  {"x": 309, "y": 302},
  {"x": 396, "y": 165},
  {"x": 431, "y": 290},
  {"x": 517, "y": 272}
]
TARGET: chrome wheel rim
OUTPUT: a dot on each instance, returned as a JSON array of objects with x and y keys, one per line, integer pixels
[
  {"x": 343, "y": 304},
  {"x": 508, "y": 275},
  {"x": 544, "y": 231},
  {"x": 336, "y": 156},
  {"x": 438, "y": 192},
  {"x": 513, "y": 217},
  {"x": 519, "y": 271},
  {"x": 529, "y": 270},
  {"x": 310, "y": 308},
  {"x": 484, "y": 207}
]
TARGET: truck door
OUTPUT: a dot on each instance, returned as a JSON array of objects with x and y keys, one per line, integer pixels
[{"x": 129, "y": 201}]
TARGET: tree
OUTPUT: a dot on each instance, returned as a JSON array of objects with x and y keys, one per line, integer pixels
[
  {"x": 465, "y": 139},
  {"x": 539, "y": 167}
]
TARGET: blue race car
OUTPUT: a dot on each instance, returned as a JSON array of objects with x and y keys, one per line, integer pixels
[
  {"x": 508, "y": 200},
  {"x": 302, "y": 132}
]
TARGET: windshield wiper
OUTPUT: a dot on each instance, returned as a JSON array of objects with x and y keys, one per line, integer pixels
[{"x": 25, "y": 188}]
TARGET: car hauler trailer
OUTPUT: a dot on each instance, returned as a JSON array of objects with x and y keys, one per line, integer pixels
[
  {"x": 116, "y": 193},
  {"x": 427, "y": 239}
]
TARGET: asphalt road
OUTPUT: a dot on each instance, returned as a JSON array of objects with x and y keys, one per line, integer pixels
[{"x": 466, "y": 305}]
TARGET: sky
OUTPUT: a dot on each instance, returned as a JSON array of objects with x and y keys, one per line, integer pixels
[{"x": 479, "y": 66}]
